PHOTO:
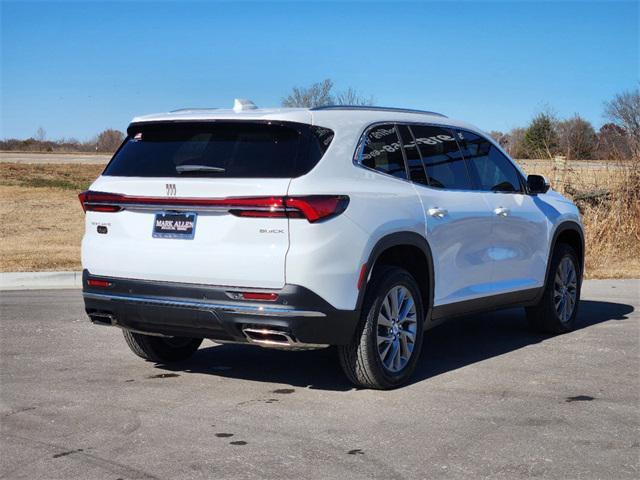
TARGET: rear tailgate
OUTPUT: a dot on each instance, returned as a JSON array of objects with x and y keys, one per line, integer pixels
[{"x": 225, "y": 249}]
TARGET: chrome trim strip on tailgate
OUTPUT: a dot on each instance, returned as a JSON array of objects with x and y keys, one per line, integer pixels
[{"x": 241, "y": 309}]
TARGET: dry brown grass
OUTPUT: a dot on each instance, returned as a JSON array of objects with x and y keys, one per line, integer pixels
[
  {"x": 41, "y": 222},
  {"x": 608, "y": 196}
]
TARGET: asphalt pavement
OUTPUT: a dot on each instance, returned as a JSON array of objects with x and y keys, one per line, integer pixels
[{"x": 489, "y": 400}]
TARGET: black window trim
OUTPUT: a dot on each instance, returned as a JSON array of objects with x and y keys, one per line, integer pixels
[{"x": 404, "y": 154}]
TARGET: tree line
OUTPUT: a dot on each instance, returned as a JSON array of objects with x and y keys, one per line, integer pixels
[
  {"x": 575, "y": 138},
  {"x": 106, "y": 141},
  {"x": 546, "y": 135}
]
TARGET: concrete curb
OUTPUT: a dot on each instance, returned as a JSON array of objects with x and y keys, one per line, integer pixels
[{"x": 39, "y": 280}]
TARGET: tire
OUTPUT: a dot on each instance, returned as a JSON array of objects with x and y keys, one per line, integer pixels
[
  {"x": 161, "y": 349},
  {"x": 369, "y": 366},
  {"x": 548, "y": 315}
]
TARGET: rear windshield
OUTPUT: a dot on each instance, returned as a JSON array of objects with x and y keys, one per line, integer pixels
[{"x": 220, "y": 149}]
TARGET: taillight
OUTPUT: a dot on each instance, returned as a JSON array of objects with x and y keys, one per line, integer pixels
[
  {"x": 312, "y": 207},
  {"x": 317, "y": 207},
  {"x": 100, "y": 202}
]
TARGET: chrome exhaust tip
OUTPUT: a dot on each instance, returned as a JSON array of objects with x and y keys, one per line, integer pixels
[
  {"x": 267, "y": 337},
  {"x": 102, "y": 318}
]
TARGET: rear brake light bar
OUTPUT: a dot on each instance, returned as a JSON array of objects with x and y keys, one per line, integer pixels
[{"x": 312, "y": 207}]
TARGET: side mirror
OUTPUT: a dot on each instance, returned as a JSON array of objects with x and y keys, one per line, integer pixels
[{"x": 537, "y": 184}]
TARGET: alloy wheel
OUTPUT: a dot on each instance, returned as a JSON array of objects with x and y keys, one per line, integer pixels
[
  {"x": 565, "y": 289},
  {"x": 396, "y": 330}
]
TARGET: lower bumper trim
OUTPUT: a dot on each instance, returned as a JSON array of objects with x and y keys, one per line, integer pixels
[{"x": 205, "y": 306}]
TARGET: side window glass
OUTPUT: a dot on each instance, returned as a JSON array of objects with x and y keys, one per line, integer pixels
[
  {"x": 382, "y": 151},
  {"x": 490, "y": 170},
  {"x": 414, "y": 162},
  {"x": 442, "y": 158}
]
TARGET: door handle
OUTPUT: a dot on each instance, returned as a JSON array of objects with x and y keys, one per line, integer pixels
[
  {"x": 501, "y": 212},
  {"x": 437, "y": 212}
]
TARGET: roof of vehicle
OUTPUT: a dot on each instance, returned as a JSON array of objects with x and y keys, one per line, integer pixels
[{"x": 332, "y": 116}]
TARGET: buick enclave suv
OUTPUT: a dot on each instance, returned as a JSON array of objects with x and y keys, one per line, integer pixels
[{"x": 358, "y": 227}]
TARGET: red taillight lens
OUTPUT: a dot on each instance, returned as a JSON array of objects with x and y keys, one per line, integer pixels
[
  {"x": 317, "y": 207},
  {"x": 92, "y": 282},
  {"x": 313, "y": 207},
  {"x": 100, "y": 202}
]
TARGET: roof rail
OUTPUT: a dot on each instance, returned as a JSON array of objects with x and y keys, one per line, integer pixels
[
  {"x": 195, "y": 109},
  {"x": 381, "y": 109}
]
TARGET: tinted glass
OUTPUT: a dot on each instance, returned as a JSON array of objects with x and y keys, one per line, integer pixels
[
  {"x": 442, "y": 158},
  {"x": 489, "y": 168},
  {"x": 219, "y": 149},
  {"x": 320, "y": 140},
  {"x": 414, "y": 162},
  {"x": 382, "y": 151}
]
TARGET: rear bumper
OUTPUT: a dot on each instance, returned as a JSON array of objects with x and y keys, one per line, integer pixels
[{"x": 177, "y": 309}]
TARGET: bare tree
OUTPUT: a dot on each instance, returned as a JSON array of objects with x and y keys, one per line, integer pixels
[
  {"x": 351, "y": 97},
  {"x": 624, "y": 111},
  {"x": 41, "y": 134},
  {"x": 320, "y": 94},
  {"x": 316, "y": 95},
  {"x": 109, "y": 140},
  {"x": 501, "y": 138},
  {"x": 612, "y": 143},
  {"x": 515, "y": 143},
  {"x": 576, "y": 138}
]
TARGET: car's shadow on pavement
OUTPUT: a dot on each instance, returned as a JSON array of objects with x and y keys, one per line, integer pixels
[{"x": 452, "y": 345}]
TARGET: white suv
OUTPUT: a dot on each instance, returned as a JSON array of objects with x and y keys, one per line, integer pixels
[{"x": 358, "y": 227}]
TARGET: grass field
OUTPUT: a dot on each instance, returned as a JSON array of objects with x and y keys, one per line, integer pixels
[{"x": 41, "y": 221}]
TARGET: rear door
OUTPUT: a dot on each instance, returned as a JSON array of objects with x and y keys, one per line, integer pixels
[
  {"x": 458, "y": 219},
  {"x": 520, "y": 229},
  {"x": 198, "y": 203}
]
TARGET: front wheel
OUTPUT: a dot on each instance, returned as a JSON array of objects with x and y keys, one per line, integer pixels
[
  {"x": 161, "y": 349},
  {"x": 558, "y": 308},
  {"x": 387, "y": 343}
]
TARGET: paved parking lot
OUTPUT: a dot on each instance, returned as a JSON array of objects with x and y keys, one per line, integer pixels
[{"x": 490, "y": 399}]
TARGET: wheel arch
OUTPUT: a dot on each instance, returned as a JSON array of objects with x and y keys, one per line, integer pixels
[
  {"x": 570, "y": 233},
  {"x": 399, "y": 249}
]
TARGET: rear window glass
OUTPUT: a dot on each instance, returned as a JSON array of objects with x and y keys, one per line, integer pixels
[{"x": 220, "y": 149}]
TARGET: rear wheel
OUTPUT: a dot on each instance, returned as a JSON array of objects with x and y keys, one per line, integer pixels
[
  {"x": 387, "y": 343},
  {"x": 161, "y": 349},
  {"x": 557, "y": 311}
]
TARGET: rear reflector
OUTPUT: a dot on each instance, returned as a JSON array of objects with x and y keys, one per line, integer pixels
[
  {"x": 312, "y": 207},
  {"x": 260, "y": 296},
  {"x": 267, "y": 297},
  {"x": 92, "y": 282},
  {"x": 362, "y": 276}
]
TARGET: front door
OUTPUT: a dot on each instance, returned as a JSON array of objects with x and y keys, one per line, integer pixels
[{"x": 520, "y": 229}]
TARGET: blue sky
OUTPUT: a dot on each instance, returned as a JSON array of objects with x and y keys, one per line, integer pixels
[{"x": 77, "y": 68}]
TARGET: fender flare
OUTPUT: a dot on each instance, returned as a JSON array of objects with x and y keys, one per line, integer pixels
[
  {"x": 561, "y": 228},
  {"x": 394, "y": 240}
]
